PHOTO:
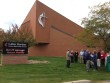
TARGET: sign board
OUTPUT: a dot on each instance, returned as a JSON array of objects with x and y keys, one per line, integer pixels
[{"x": 15, "y": 48}]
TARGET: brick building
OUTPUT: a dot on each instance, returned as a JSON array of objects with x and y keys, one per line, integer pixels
[{"x": 54, "y": 33}]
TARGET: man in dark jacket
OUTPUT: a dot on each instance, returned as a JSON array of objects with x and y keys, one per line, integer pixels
[
  {"x": 88, "y": 61},
  {"x": 98, "y": 58},
  {"x": 76, "y": 56}
]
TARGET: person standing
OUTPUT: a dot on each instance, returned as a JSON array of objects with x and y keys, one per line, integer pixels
[
  {"x": 103, "y": 55},
  {"x": 76, "y": 56},
  {"x": 88, "y": 63},
  {"x": 98, "y": 58},
  {"x": 72, "y": 56},
  {"x": 94, "y": 59},
  {"x": 81, "y": 56},
  {"x": 107, "y": 61},
  {"x": 84, "y": 56},
  {"x": 68, "y": 58}
]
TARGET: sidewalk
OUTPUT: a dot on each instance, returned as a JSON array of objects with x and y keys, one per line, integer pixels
[
  {"x": 88, "y": 81},
  {"x": 79, "y": 81}
]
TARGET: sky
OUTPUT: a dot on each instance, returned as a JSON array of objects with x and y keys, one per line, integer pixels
[{"x": 15, "y": 11}]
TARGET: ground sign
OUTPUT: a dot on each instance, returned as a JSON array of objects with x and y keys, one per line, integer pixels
[{"x": 15, "y": 48}]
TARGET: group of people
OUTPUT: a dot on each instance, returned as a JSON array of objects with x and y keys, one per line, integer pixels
[{"x": 92, "y": 59}]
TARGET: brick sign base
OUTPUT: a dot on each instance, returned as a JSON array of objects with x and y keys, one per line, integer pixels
[{"x": 14, "y": 59}]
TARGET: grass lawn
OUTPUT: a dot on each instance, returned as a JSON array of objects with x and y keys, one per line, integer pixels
[{"x": 52, "y": 72}]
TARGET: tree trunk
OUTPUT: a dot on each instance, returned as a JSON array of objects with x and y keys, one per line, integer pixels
[{"x": 105, "y": 45}]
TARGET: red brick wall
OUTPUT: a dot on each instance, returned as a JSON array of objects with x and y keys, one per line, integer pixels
[
  {"x": 53, "y": 19},
  {"x": 14, "y": 59},
  {"x": 31, "y": 18},
  {"x": 58, "y": 34},
  {"x": 59, "y": 43}
]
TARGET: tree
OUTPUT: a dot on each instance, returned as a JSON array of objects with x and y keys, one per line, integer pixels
[
  {"x": 16, "y": 34},
  {"x": 10, "y": 35},
  {"x": 98, "y": 23},
  {"x": 24, "y": 34},
  {"x": 1, "y": 37}
]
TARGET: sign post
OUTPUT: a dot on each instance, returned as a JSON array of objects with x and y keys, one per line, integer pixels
[{"x": 1, "y": 58}]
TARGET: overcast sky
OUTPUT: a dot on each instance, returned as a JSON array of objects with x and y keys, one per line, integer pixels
[{"x": 15, "y": 11}]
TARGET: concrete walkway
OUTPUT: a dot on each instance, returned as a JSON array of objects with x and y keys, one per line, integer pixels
[
  {"x": 88, "y": 81},
  {"x": 79, "y": 81},
  {"x": 104, "y": 81}
]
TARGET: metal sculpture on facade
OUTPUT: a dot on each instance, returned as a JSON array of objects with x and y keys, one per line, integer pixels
[{"x": 41, "y": 19}]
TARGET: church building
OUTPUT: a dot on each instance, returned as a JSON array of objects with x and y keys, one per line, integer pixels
[{"x": 53, "y": 32}]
